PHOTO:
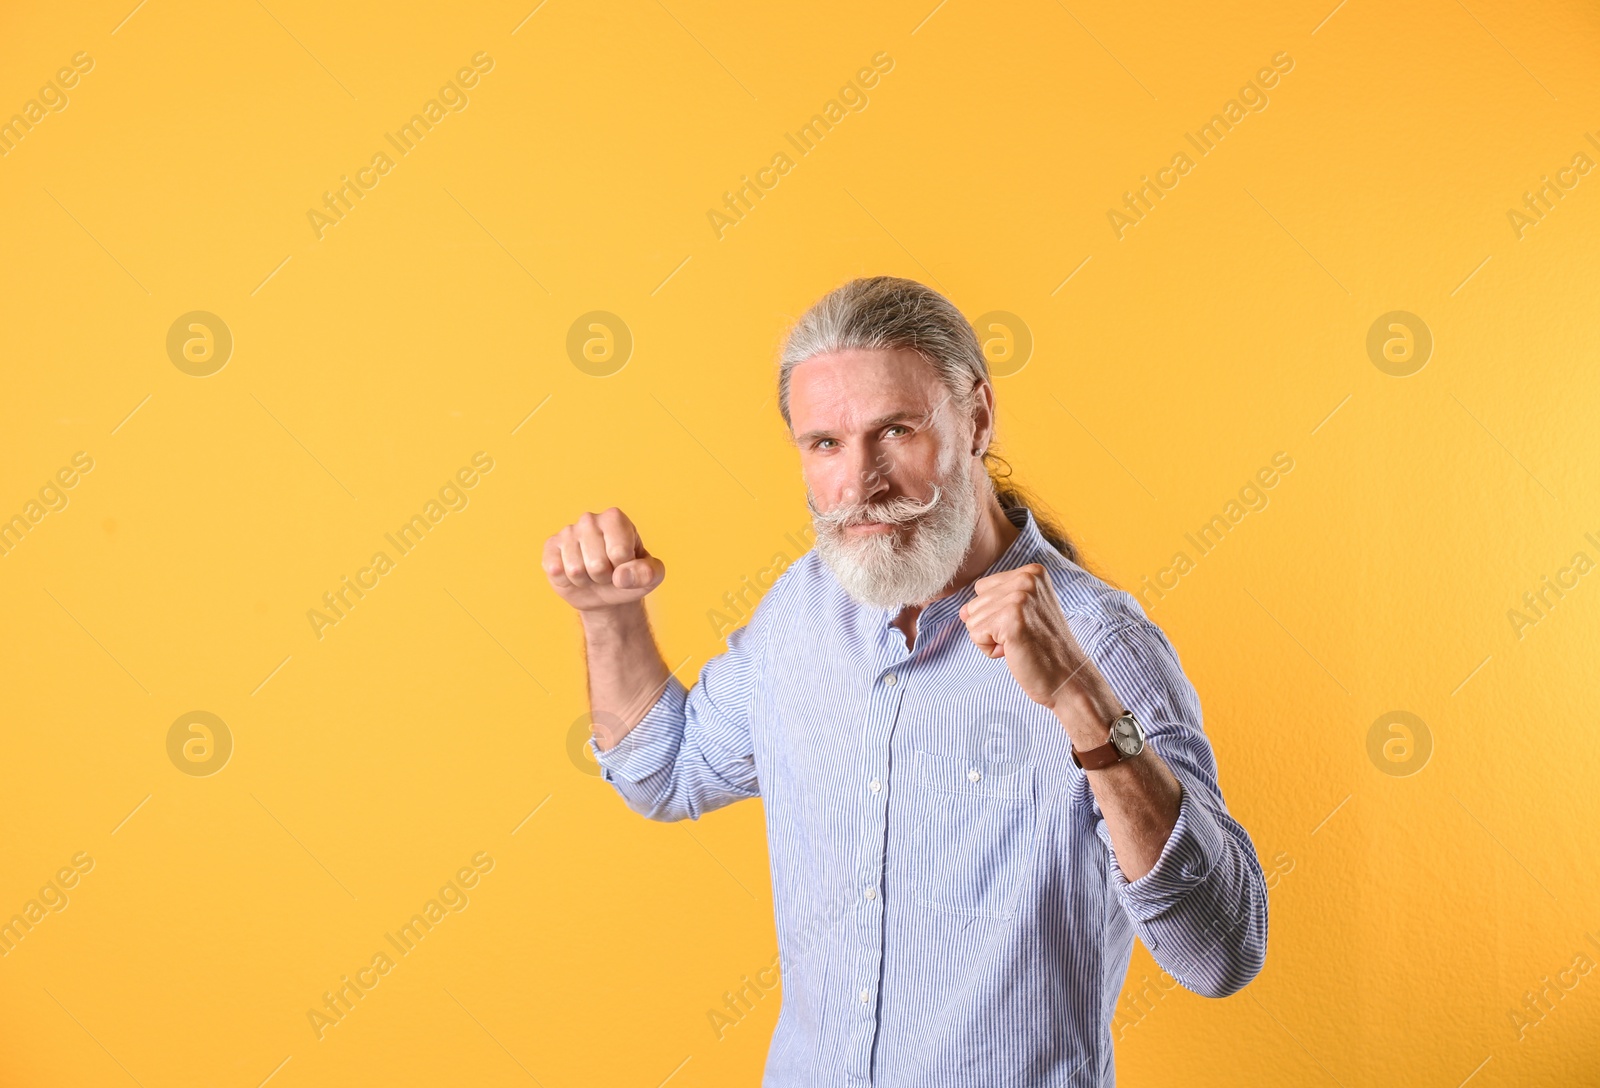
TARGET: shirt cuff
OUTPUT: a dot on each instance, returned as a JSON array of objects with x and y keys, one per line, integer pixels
[
  {"x": 1187, "y": 858},
  {"x": 650, "y": 746}
]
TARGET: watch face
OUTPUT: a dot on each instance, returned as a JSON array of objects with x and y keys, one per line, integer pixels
[{"x": 1127, "y": 736}]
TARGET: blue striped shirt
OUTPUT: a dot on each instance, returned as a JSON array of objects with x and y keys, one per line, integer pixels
[{"x": 949, "y": 908}]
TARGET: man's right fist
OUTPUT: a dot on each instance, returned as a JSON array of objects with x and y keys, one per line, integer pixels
[{"x": 599, "y": 562}]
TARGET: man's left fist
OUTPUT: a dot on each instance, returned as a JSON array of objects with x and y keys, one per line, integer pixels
[{"x": 1015, "y": 615}]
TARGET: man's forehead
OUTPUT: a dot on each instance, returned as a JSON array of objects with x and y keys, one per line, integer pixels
[{"x": 864, "y": 387}]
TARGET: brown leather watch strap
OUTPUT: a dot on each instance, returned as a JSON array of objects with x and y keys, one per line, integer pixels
[{"x": 1096, "y": 758}]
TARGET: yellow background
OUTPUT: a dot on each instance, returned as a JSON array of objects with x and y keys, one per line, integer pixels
[{"x": 1411, "y": 914}]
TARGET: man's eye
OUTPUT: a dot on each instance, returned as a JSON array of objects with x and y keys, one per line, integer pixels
[
  {"x": 822, "y": 443},
  {"x": 900, "y": 427}
]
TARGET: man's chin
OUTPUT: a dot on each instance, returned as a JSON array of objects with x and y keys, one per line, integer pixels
[
  {"x": 868, "y": 550},
  {"x": 877, "y": 581},
  {"x": 873, "y": 594}
]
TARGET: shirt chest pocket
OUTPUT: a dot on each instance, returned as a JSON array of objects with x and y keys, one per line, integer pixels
[{"x": 973, "y": 835}]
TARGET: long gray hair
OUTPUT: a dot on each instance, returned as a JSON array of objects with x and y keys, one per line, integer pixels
[{"x": 886, "y": 312}]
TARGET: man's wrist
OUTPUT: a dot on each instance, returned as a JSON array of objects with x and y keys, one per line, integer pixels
[
  {"x": 626, "y": 672},
  {"x": 603, "y": 625},
  {"x": 1087, "y": 714}
]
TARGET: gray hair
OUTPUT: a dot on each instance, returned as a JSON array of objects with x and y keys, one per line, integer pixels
[{"x": 880, "y": 313}]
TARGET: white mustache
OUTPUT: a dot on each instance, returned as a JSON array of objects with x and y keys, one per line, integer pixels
[{"x": 902, "y": 510}]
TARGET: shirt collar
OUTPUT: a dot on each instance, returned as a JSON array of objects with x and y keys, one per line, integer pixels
[{"x": 1029, "y": 542}]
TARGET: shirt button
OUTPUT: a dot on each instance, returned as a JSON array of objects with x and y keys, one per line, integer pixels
[
  {"x": 889, "y": 680},
  {"x": 866, "y": 995},
  {"x": 874, "y": 785},
  {"x": 871, "y": 892},
  {"x": 974, "y": 775}
]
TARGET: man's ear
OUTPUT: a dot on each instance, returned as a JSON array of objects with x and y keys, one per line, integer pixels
[{"x": 982, "y": 417}]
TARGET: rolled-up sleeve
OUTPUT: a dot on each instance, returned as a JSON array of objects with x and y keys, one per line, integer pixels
[
  {"x": 1202, "y": 909},
  {"x": 693, "y": 751}
]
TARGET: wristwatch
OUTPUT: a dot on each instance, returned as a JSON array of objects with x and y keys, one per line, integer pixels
[{"x": 1127, "y": 740}]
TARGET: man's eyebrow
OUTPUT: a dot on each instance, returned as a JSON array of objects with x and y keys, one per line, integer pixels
[{"x": 902, "y": 416}]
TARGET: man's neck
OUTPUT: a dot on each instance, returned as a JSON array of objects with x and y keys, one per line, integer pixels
[{"x": 990, "y": 539}]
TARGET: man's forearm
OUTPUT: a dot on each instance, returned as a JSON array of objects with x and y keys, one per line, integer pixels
[
  {"x": 1139, "y": 797},
  {"x": 626, "y": 669}
]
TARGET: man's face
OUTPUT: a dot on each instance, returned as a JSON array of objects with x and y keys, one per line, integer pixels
[{"x": 883, "y": 452}]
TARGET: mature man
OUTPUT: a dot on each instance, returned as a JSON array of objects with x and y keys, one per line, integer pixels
[{"x": 983, "y": 768}]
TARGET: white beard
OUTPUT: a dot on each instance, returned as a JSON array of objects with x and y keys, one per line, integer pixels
[{"x": 884, "y": 570}]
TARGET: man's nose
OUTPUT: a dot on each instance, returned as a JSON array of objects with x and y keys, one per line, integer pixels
[{"x": 868, "y": 474}]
